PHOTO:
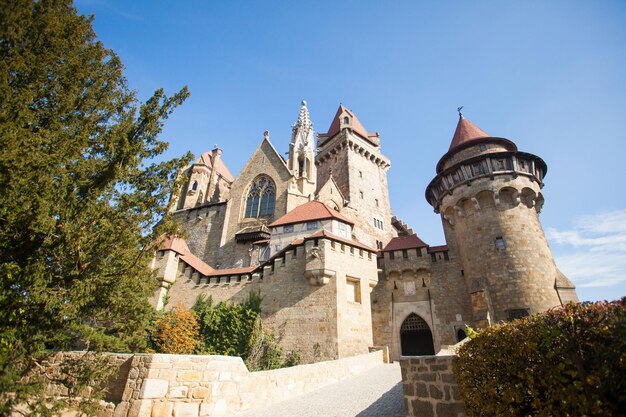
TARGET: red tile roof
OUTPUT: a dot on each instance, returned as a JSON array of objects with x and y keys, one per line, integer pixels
[
  {"x": 441, "y": 248},
  {"x": 466, "y": 131},
  {"x": 220, "y": 167},
  {"x": 313, "y": 210},
  {"x": 179, "y": 246},
  {"x": 356, "y": 125},
  {"x": 232, "y": 271},
  {"x": 404, "y": 242},
  {"x": 326, "y": 233}
]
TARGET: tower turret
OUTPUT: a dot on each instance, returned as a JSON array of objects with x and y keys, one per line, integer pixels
[
  {"x": 489, "y": 196},
  {"x": 352, "y": 157},
  {"x": 302, "y": 154}
]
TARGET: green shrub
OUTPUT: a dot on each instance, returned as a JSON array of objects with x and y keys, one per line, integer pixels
[
  {"x": 226, "y": 328},
  {"x": 237, "y": 330},
  {"x": 570, "y": 361}
]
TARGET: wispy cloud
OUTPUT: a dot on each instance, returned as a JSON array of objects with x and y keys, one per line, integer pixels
[{"x": 596, "y": 247}]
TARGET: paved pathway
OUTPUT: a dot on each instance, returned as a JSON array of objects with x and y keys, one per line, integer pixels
[{"x": 374, "y": 393}]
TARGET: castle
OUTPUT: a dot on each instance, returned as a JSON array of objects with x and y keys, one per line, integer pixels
[{"x": 315, "y": 236}]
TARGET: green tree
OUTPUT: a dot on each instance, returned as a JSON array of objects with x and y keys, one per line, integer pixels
[{"x": 80, "y": 194}]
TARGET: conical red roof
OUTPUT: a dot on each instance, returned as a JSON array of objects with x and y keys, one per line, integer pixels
[{"x": 466, "y": 131}]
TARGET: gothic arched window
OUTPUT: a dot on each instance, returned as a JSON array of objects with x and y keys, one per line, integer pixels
[{"x": 261, "y": 198}]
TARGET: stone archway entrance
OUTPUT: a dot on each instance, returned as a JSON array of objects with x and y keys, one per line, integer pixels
[{"x": 416, "y": 339}]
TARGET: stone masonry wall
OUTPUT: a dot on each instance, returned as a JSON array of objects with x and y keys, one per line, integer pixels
[
  {"x": 204, "y": 228},
  {"x": 158, "y": 385},
  {"x": 430, "y": 388},
  {"x": 523, "y": 273},
  {"x": 442, "y": 302}
]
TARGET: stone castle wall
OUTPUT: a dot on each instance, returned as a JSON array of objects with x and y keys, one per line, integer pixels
[
  {"x": 204, "y": 229},
  {"x": 443, "y": 302},
  {"x": 316, "y": 306}
]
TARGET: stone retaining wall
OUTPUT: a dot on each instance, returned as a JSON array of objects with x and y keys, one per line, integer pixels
[
  {"x": 159, "y": 385},
  {"x": 430, "y": 387}
]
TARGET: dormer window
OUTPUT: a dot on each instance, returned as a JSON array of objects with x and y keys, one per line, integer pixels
[{"x": 346, "y": 120}]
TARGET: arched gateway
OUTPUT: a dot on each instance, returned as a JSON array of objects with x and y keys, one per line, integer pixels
[{"x": 415, "y": 337}]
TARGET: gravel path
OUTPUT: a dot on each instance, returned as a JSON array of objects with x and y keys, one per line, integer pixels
[{"x": 374, "y": 393}]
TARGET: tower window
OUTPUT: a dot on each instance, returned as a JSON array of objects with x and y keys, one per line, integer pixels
[
  {"x": 194, "y": 187},
  {"x": 418, "y": 251},
  {"x": 376, "y": 201},
  {"x": 261, "y": 198},
  {"x": 311, "y": 226},
  {"x": 360, "y": 174},
  {"x": 433, "y": 257},
  {"x": 405, "y": 253},
  {"x": 500, "y": 245},
  {"x": 346, "y": 120},
  {"x": 353, "y": 290},
  {"x": 361, "y": 194},
  {"x": 392, "y": 255}
]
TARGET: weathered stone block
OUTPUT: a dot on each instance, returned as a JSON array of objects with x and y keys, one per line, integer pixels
[
  {"x": 162, "y": 409},
  {"x": 421, "y": 389},
  {"x": 448, "y": 378},
  {"x": 426, "y": 376},
  {"x": 189, "y": 376},
  {"x": 121, "y": 410},
  {"x": 201, "y": 392},
  {"x": 450, "y": 410},
  {"x": 153, "y": 388},
  {"x": 178, "y": 392},
  {"x": 140, "y": 408},
  {"x": 422, "y": 408},
  {"x": 435, "y": 392},
  {"x": 186, "y": 409}
]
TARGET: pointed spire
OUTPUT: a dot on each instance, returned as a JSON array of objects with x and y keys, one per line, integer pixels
[
  {"x": 466, "y": 131},
  {"x": 304, "y": 121}
]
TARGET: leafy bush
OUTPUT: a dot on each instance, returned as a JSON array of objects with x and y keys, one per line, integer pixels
[
  {"x": 226, "y": 328},
  {"x": 569, "y": 361},
  {"x": 264, "y": 352},
  {"x": 237, "y": 330},
  {"x": 176, "y": 331}
]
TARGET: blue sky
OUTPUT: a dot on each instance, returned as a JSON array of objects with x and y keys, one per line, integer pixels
[{"x": 549, "y": 75}]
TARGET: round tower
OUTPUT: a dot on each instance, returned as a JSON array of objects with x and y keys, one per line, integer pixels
[{"x": 489, "y": 196}]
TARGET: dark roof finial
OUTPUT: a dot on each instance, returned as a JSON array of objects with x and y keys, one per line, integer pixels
[{"x": 459, "y": 110}]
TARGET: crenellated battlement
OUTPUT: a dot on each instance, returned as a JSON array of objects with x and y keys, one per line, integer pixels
[{"x": 346, "y": 140}]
